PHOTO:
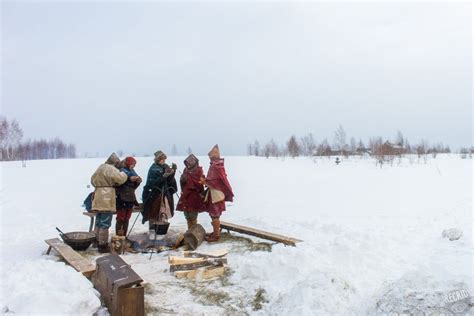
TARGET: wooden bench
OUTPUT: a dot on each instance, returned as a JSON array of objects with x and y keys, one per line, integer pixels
[
  {"x": 78, "y": 262},
  {"x": 92, "y": 215},
  {"x": 259, "y": 233}
]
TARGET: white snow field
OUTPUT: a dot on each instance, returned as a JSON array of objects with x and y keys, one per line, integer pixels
[{"x": 372, "y": 236}]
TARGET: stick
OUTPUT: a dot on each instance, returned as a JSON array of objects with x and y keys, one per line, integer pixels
[
  {"x": 130, "y": 231},
  {"x": 154, "y": 228}
]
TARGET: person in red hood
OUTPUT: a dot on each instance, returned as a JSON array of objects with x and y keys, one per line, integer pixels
[
  {"x": 126, "y": 198},
  {"x": 219, "y": 191},
  {"x": 192, "y": 191}
]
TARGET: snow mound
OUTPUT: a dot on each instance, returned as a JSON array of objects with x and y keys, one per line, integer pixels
[{"x": 48, "y": 287}]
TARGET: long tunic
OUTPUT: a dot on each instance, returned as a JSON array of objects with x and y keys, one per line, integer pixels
[
  {"x": 217, "y": 180},
  {"x": 192, "y": 191},
  {"x": 156, "y": 190}
]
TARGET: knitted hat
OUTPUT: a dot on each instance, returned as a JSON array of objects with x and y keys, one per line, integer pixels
[
  {"x": 113, "y": 159},
  {"x": 160, "y": 155},
  {"x": 130, "y": 161},
  {"x": 214, "y": 153}
]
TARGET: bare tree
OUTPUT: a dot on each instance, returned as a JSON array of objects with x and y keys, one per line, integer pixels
[
  {"x": 399, "y": 140},
  {"x": 324, "y": 149},
  {"x": 422, "y": 150},
  {"x": 256, "y": 148},
  {"x": 294, "y": 149},
  {"x": 308, "y": 145},
  {"x": 249, "y": 150},
  {"x": 271, "y": 149},
  {"x": 340, "y": 139},
  {"x": 11, "y": 135},
  {"x": 353, "y": 146}
]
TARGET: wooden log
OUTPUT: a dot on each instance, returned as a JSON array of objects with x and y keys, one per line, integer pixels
[
  {"x": 204, "y": 273},
  {"x": 259, "y": 233},
  {"x": 197, "y": 265},
  {"x": 218, "y": 253},
  {"x": 179, "y": 260},
  {"x": 78, "y": 262}
]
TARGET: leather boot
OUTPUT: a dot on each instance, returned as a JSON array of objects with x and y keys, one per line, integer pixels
[
  {"x": 216, "y": 234},
  {"x": 125, "y": 228},
  {"x": 96, "y": 241},
  {"x": 103, "y": 240},
  {"x": 105, "y": 248},
  {"x": 119, "y": 228},
  {"x": 191, "y": 222}
]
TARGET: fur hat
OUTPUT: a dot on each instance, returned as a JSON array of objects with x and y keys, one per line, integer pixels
[
  {"x": 215, "y": 153},
  {"x": 130, "y": 161},
  {"x": 160, "y": 155},
  {"x": 113, "y": 159},
  {"x": 191, "y": 161}
]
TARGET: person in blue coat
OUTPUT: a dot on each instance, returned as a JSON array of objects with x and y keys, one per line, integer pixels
[{"x": 158, "y": 203}]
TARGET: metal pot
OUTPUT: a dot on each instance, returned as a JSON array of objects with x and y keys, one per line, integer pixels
[{"x": 77, "y": 240}]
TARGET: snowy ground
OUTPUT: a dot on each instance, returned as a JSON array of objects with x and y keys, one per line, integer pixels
[{"x": 372, "y": 239}]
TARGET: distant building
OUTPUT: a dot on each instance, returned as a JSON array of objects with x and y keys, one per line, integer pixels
[{"x": 393, "y": 149}]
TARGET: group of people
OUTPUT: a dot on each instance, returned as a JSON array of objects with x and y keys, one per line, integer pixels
[{"x": 115, "y": 183}]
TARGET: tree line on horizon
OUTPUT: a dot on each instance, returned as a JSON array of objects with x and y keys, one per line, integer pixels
[
  {"x": 376, "y": 147},
  {"x": 13, "y": 147}
]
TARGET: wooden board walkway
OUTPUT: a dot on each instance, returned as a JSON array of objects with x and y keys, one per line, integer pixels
[
  {"x": 259, "y": 233},
  {"x": 77, "y": 261}
]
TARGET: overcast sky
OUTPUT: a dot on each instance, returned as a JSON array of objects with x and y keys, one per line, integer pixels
[{"x": 144, "y": 76}]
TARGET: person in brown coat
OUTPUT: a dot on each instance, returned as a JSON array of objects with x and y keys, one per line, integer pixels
[
  {"x": 105, "y": 179},
  {"x": 219, "y": 191},
  {"x": 191, "y": 201}
]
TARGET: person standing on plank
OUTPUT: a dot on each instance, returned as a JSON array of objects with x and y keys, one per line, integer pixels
[
  {"x": 158, "y": 203},
  {"x": 126, "y": 198},
  {"x": 219, "y": 191},
  {"x": 105, "y": 179},
  {"x": 191, "y": 202}
]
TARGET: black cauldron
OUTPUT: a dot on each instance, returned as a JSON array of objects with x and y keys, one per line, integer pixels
[{"x": 77, "y": 240}]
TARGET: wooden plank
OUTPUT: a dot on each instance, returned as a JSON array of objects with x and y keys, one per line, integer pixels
[
  {"x": 260, "y": 233},
  {"x": 218, "y": 253},
  {"x": 205, "y": 273},
  {"x": 78, "y": 262},
  {"x": 179, "y": 260},
  {"x": 197, "y": 265}
]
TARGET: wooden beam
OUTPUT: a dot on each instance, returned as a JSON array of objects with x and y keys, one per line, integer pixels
[
  {"x": 259, "y": 233},
  {"x": 218, "y": 253},
  {"x": 78, "y": 262},
  {"x": 197, "y": 265},
  {"x": 205, "y": 273},
  {"x": 179, "y": 260}
]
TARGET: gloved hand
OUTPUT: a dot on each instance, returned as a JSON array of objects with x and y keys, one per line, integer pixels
[
  {"x": 168, "y": 172},
  {"x": 174, "y": 166}
]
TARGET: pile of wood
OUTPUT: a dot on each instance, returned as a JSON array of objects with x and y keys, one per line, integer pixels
[{"x": 199, "y": 265}]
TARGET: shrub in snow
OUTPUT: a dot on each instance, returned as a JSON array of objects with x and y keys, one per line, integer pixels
[{"x": 452, "y": 233}]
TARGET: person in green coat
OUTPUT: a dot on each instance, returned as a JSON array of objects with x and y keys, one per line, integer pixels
[{"x": 158, "y": 202}]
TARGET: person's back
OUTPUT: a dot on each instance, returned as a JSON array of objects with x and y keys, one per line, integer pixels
[{"x": 105, "y": 179}]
